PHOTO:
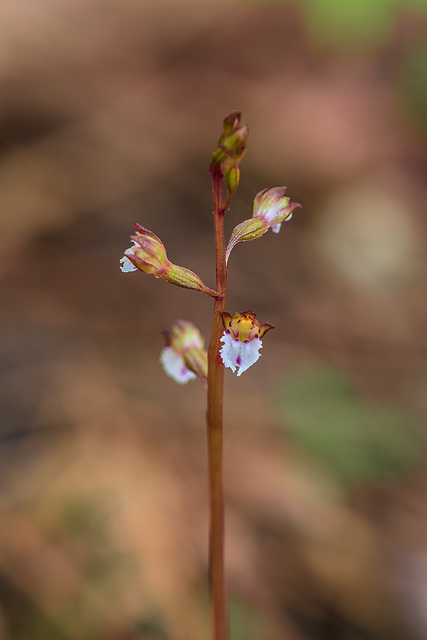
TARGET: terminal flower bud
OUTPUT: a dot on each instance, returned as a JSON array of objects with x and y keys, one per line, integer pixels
[
  {"x": 242, "y": 340},
  {"x": 230, "y": 123},
  {"x": 148, "y": 254},
  {"x": 271, "y": 208},
  {"x": 232, "y": 143},
  {"x": 184, "y": 357}
]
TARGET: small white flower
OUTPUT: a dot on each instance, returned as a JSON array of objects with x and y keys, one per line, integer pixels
[
  {"x": 174, "y": 366},
  {"x": 125, "y": 264},
  {"x": 238, "y": 354},
  {"x": 241, "y": 340}
]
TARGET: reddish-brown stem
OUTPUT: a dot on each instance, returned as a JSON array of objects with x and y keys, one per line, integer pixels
[{"x": 214, "y": 422}]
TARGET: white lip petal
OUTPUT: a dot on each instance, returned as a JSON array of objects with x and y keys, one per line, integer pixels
[
  {"x": 229, "y": 351},
  {"x": 126, "y": 265},
  {"x": 238, "y": 354},
  {"x": 174, "y": 366},
  {"x": 249, "y": 354}
]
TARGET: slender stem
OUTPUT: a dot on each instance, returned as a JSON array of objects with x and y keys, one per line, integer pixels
[{"x": 214, "y": 422}]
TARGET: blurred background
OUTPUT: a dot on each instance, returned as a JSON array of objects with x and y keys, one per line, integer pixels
[{"x": 109, "y": 113}]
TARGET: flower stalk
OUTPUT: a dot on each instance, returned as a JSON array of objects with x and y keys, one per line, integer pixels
[{"x": 215, "y": 422}]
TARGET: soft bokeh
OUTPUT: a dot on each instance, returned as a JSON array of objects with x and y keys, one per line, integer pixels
[{"x": 109, "y": 113}]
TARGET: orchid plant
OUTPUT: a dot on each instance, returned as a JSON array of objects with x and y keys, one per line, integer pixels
[{"x": 235, "y": 341}]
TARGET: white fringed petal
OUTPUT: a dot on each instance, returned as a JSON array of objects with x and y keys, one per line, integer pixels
[
  {"x": 238, "y": 354},
  {"x": 125, "y": 264},
  {"x": 175, "y": 367}
]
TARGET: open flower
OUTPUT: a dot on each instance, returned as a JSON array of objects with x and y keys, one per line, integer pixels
[
  {"x": 184, "y": 357},
  {"x": 148, "y": 254},
  {"x": 271, "y": 208},
  {"x": 242, "y": 340}
]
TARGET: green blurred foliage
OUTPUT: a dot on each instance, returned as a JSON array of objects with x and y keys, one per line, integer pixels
[
  {"x": 353, "y": 25},
  {"x": 246, "y": 623},
  {"x": 361, "y": 24},
  {"x": 152, "y": 627},
  {"x": 82, "y": 525},
  {"x": 414, "y": 86},
  {"x": 355, "y": 441}
]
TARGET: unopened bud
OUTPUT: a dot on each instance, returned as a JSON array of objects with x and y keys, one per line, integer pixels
[
  {"x": 231, "y": 122},
  {"x": 235, "y": 142},
  {"x": 232, "y": 178},
  {"x": 232, "y": 143}
]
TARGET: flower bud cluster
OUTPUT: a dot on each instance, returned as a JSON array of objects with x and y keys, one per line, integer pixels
[{"x": 231, "y": 149}]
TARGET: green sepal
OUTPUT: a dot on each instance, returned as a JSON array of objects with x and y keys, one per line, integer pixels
[{"x": 244, "y": 232}]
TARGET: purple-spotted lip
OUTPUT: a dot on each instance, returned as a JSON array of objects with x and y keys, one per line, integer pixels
[
  {"x": 240, "y": 354},
  {"x": 228, "y": 332}
]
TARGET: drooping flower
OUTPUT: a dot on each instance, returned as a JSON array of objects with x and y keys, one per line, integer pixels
[
  {"x": 148, "y": 254},
  {"x": 184, "y": 357},
  {"x": 242, "y": 340},
  {"x": 271, "y": 208}
]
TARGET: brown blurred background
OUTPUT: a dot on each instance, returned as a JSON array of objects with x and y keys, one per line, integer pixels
[{"x": 109, "y": 113}]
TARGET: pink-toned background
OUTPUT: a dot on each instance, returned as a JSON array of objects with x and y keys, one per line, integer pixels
[{"x": 109, "y": 112}]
